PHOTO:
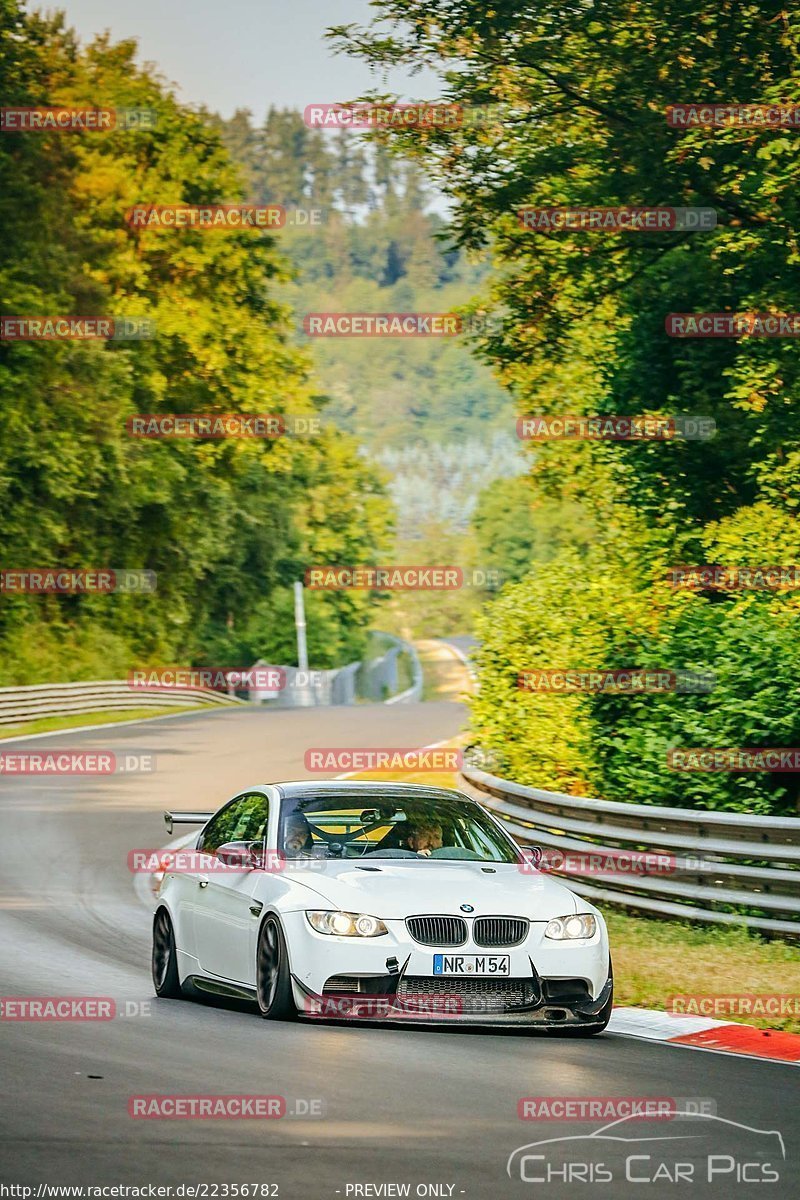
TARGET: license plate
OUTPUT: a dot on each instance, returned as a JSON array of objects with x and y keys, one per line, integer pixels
[{"x": 471, "y": 964}]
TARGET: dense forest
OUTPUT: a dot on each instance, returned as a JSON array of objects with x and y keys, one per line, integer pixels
[
  {"x": 225, "y": 525},
  {"x": 579, "y": 117},
  {"x": 417, "y": 459},
  {"x": 430, "y": 412}
]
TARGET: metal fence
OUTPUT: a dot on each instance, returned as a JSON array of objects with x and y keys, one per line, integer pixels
[
  {"x": 718, "y": 867},
  {"x": 379, "y": 678},
  {"x": 307, "y": 689},
  {"x": 372, "y": 679},
  {"x": 18, "y": 704}
]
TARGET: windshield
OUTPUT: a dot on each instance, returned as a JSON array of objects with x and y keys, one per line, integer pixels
[{"x": 428, "y": 827}]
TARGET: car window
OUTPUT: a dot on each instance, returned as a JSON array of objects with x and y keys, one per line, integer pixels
[
  {"x": 243, "y": 820},
  {"x": 432, "y": 826}
]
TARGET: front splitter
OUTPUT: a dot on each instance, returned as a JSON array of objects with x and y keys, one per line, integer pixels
[{"x": 385, "y": 1009}]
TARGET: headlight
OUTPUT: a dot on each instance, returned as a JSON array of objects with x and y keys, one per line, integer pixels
[
  {"x": 564, "y": 928},
  {"x": 345, "y": 924}
]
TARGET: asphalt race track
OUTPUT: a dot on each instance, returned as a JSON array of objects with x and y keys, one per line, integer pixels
[{"x": 400, "y": 1105}]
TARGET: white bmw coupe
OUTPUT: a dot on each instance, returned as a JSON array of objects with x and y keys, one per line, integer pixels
[{"x": 376, "y": 901}]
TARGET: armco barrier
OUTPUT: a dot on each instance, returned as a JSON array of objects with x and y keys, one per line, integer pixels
[
  {"x": 373, "y": 679},
  {"x": 387, "y": 667},
  {"x": 18, "y": 704},
  {"x": 726, "y": 868},
  {"x": 336, "y": 686}
]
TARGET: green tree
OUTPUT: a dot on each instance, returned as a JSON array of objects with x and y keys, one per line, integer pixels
[
  {"x": 580, "y": 96},
  {"x": 576, "y": 116},
  {"x": 517, "y": 529},
  {"x": 224, "y": 524},
  {"x": 378, "y": 247}
]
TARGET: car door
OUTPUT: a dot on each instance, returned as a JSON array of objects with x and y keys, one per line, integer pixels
[{"x": 226, "y": 915}]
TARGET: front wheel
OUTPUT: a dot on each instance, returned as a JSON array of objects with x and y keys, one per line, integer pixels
[
  {"x": 165, "y": 958},
  {"x": 273, "y": 979}
]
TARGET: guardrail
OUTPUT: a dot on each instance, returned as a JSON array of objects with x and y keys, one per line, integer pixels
[
  {"x": 373, "y": 679},
  {"x": 337, "y": 686},
  {"x": 18, "y": 704},
  {"x": 414, "y": 692},
  {"x": 720, "y": 867}
]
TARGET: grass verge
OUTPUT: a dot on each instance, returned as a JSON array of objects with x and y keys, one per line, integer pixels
[
  {"x": 654, "y": 960},
  {"x": 77, "y": 720}
]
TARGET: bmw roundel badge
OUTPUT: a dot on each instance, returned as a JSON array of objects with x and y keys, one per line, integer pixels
[{"x": 467, "y": 908}]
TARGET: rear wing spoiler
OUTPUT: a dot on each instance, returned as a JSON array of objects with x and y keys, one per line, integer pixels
[{"x": 185, "y": 818}]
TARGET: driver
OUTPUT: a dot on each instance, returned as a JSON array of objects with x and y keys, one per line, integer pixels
[
  {"x": 297, "y": 837},
  {"x": 424, "y": 837}
]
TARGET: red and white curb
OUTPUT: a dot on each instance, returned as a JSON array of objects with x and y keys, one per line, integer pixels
[{"x": 706, "y": 1033}]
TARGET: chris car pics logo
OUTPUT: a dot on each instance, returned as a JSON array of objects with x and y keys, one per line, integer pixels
[{"x": 695, "y": 1147}]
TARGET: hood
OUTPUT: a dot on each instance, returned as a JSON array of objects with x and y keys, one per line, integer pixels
[{"x": 394, "y": 891}]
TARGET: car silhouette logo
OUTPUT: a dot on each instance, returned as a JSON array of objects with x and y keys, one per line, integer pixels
[
  {"x": 614, "y": 1134},
  {"x": 467, "y": 908}
]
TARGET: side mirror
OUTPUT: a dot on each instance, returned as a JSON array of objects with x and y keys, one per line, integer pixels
[
  {"x": 532, "y": 857},
  {"x": 240, "y": 854}
]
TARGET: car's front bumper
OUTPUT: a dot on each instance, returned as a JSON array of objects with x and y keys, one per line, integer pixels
[
  {"x": 450, "y": 1009},
  {"x": 391, "y": 978}
]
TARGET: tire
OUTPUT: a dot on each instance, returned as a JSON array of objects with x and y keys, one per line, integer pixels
[
  {"x": 273, "y": 978},
  {"x": 166, "y": 980}
]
